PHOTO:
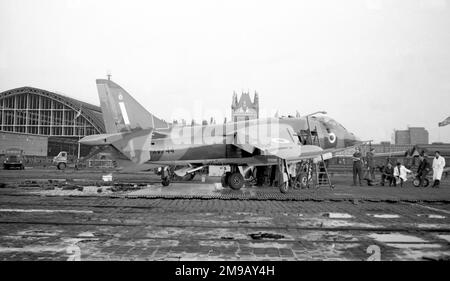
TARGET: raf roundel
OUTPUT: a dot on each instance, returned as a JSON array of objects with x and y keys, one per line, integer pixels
[
  {"x": 332, "y": 137},
  {"x": 120, "y": 97}
]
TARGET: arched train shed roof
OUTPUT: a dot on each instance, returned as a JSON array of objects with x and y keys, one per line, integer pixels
[{"x": 91, "y": 113}]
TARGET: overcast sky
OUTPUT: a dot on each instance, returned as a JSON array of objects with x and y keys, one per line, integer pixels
[{"x": 374, "y": 66}]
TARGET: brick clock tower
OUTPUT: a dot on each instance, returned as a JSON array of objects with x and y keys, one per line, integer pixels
[{"x": 244, "y": 109}]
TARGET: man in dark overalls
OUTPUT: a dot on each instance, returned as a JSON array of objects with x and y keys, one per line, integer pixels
[
  {"x": 370, "y": 164},
  {"x": 423, "y": 169},
  {"x": 357, "y": 166}
]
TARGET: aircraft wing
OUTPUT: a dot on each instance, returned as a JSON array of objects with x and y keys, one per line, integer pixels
[
  {"x": 280, "y": 142},
  {"x": 390, "y": 154}
]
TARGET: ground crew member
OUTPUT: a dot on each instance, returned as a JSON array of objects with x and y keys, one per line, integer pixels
[
  {"x": 438, "y": 168},
  {"x": 370, "y": 166},
  {"x": 401, "y": 173},
  {"x": 273, "y": 174},
  {"x": 260, "y": 172},
  {"x": 292, "y": 170},
  {"x": 388, "y": 174},
  {"x": 357, "y": 166},
  {"x": 423, "y": 169}
]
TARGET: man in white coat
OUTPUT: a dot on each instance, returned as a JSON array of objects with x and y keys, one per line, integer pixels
[
  {"x": 400, "y": 174},
  {"x": 438, "y": 168}
]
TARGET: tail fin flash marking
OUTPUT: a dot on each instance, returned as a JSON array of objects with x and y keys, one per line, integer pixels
[{"x": 123, "y": 110}]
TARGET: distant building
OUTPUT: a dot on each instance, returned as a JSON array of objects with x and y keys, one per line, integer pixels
[
  {"x": 382, "y": 147},
  {"x": 244, "y": 108},
  {"x": 414, "y": 135}
]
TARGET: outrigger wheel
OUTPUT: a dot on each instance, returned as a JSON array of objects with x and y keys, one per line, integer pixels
[
  {"x": 236, "y": 181},
  {"x": 165, "y": 181}
]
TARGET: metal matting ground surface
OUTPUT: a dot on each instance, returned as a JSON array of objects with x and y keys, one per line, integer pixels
[{"x": 192, "y": 221}]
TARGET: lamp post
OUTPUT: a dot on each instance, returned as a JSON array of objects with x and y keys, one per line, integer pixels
[{"x": 79, "y": 145}]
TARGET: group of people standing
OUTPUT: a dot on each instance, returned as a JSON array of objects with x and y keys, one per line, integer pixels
[
  {"x": 437, "y": 166},
  {"x": 358, "y": 165},
  {"x": 398, "y": 174}
]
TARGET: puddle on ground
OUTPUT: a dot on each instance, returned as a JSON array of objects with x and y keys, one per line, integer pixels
[
  {"x": 344, "y": 194},
  {"x": 384, "y": 216},
  {"x": 39, "y": 233},
  {"x": 225, "y": 244},
  {"x": 219, "y": 233},
  {"x": 396, "y": 237},
  {"x": 245, "y": 214},
  {"x": 45, "y": 211},
  {"x": 433, "y": 225},
  {"x": 414, "y": 246},
  {"x": 336, "y": 224},
  {"x": 425, "y": 254},
  {"x": 270, "y": 245},
  {"x": 164, "y": 232},
  {"x": 86, "y": 234},
  {"x": 265, "y": 236},
  {"x": 446, "y": 237},
  {"x": 87, "y": 190},
  {"x": 431, "y": 216},
  {"x": 32, "y": 249},
  {"x": 327, "y": 236},
  {"x": 338, "y": 215}
]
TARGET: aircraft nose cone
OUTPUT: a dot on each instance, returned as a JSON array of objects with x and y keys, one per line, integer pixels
[{"x": 351, "y": 139}]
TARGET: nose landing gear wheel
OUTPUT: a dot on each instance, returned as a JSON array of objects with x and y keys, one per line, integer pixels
[{"x": 236, "y": 181}]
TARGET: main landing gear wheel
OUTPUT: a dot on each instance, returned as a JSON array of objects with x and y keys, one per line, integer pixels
[
  {"x": 284, "y": 187},
  {"x": 166, "y": 175},
  {"x": 224, "y": 179},
  {"x": 236, "y": 181}
]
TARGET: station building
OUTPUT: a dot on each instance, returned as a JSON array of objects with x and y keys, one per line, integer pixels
[
  {"x": 43, "y": 123},
  {"x": 244, "y": 109}
]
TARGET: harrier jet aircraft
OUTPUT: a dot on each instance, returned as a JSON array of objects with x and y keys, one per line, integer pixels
[{"x": 138, "y": 138}]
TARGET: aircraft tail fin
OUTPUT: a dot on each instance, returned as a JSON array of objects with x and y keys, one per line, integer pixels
[{"x": 121, "y": 112}]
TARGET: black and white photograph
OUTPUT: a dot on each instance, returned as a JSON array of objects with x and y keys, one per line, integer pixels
[{"x": 224, "y": 132}]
